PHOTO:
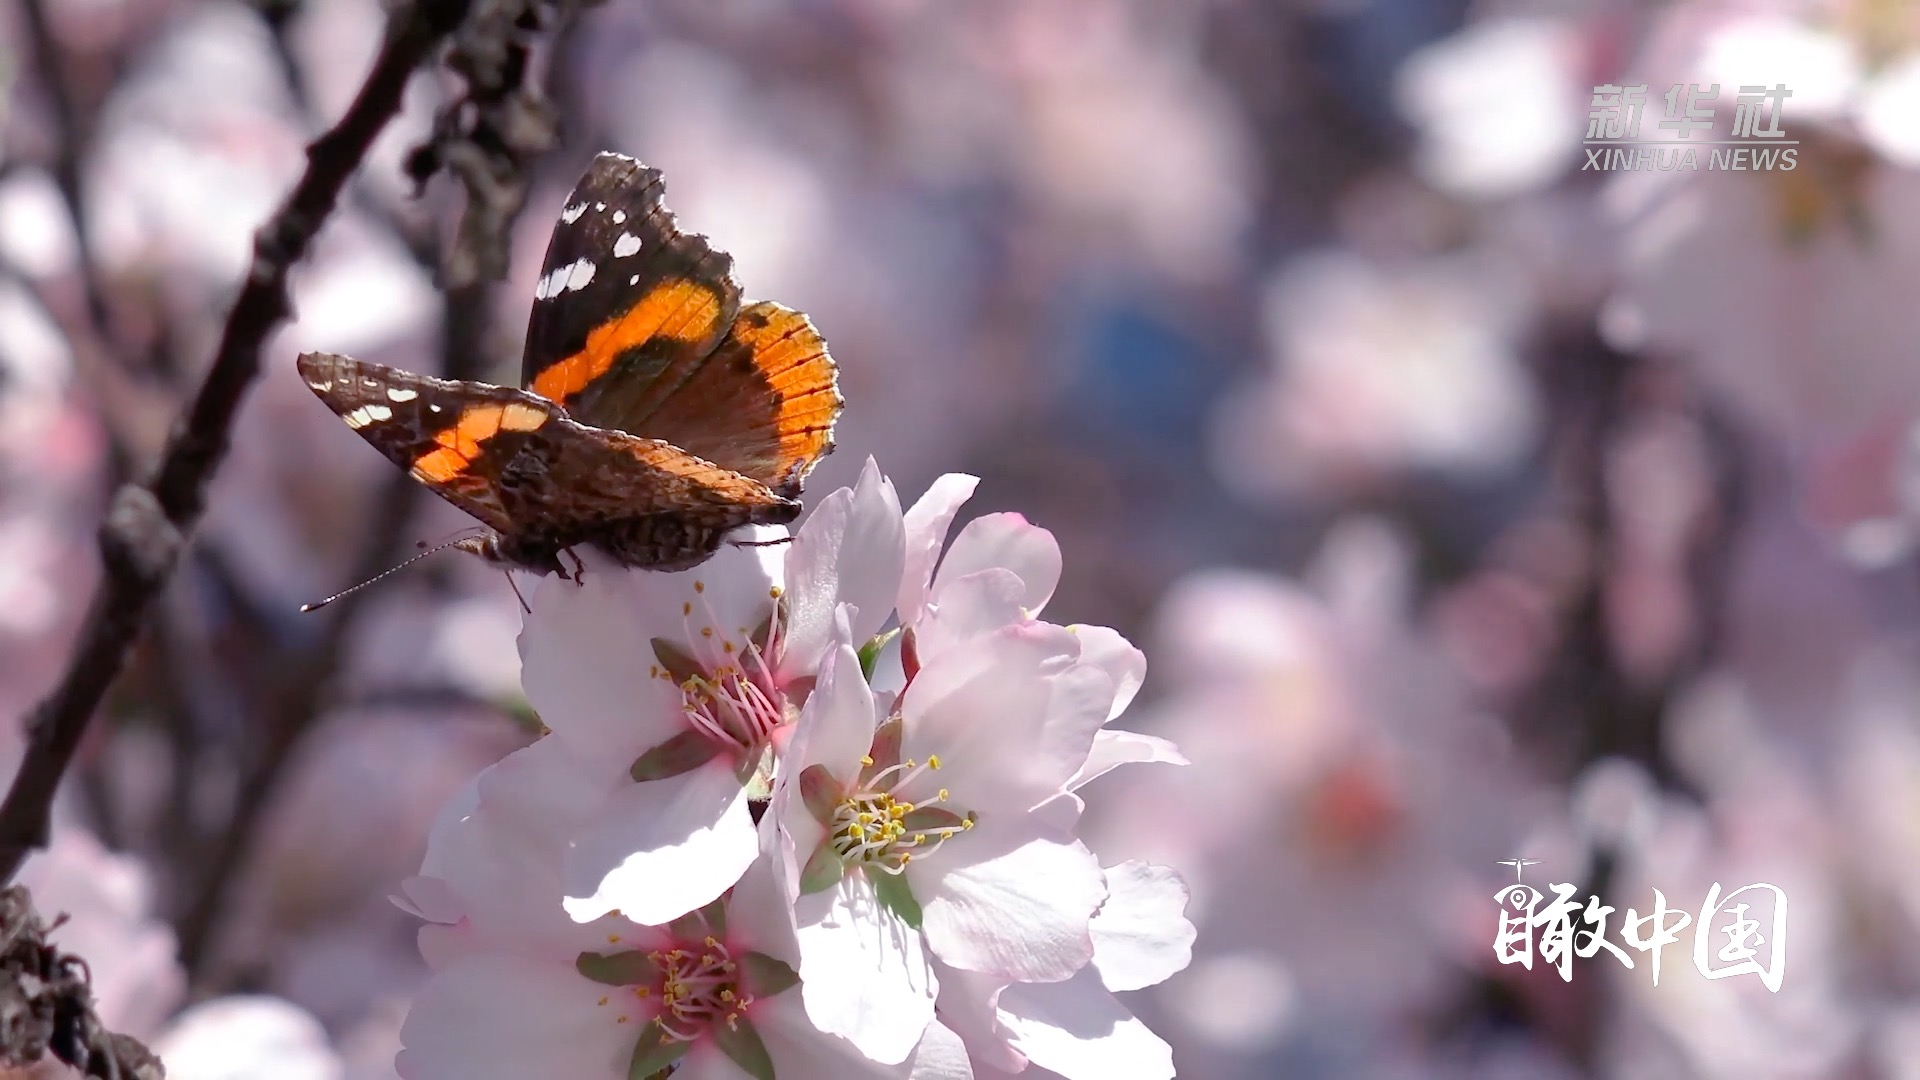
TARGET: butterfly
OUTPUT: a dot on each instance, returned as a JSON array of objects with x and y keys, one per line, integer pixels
[{"x": 656, "y": 412}]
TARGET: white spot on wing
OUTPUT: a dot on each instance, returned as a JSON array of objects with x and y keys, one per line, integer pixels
[
  {"x": 634, "y": 280},
  {"x": 619, "y": 216},
  {"x": 572, "y": 213},
  {"x": 396, "y": 394},
  {"x": 432, "y": 407},
  {"x": 574, "y": 275},
  {"x": 626, "y": 245},
  {"x": 599, "y": 207},
  {"x": 323, "y": 387}
]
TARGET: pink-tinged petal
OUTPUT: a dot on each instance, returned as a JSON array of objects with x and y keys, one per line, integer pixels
[
  {"x": 1010, "y": 716},
  {"x": 927, "y": 522},
  {"x": 968, "y": 1006},
  {"x": 499, "y": 1017},
  {"x": 1126, "y": 666},
  {"x": 442, "y": 945},
  {"x": 1113, "y": 748},
  {"x": 428, "y": 898},
  {"x": 1141, "y": 935},
  {"x": 1009, "y": 541},
  {"x": 662, "y": 848},
  {"x": 851, "y": 550},
  {"x": 970, "y": 607},
  {"x": 1077, "y": 1029},
  {"x": 1004, "y": 904},
  {"x": 864, "y": 975}
]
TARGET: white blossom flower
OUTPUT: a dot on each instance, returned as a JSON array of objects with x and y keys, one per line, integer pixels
[
  {"x": 938, "y": 830},
  {"x": 521, "y": 989},
  {"x": 674, "y": 689}
]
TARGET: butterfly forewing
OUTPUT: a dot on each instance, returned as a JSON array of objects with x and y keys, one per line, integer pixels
[{"x": 637, "y": 326}]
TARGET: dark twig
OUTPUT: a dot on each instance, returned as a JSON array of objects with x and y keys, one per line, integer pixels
[
  {"x": 146, "y": 525},
  {"x": 46, "y": 1004}
]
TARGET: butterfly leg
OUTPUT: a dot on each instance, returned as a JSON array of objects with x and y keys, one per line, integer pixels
[
  {"x": 761, "y": 543},
  {"x": 579, "y": 568}
]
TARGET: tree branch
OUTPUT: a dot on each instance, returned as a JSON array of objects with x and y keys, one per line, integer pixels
[{"x": 146, "y": 525}]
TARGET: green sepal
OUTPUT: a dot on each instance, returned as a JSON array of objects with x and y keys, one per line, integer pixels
[
  {"x": 823, "y": 870},
  {"x": 896, "y": 896},
  {"x": 683, "y": 753},
  {"x": 631, "y": 968},
  {"x": 743, "y": 1047},
  {"x": 870, "y": 652},
  {"x": 764, "y": 976},
  {"x": 820, "y": 792},
  {"x": 655, "y": 1052},
  {"x": 677, "y": 663}
]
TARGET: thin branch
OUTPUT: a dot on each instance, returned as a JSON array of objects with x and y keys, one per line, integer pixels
[{"x": 146, "y": 525}]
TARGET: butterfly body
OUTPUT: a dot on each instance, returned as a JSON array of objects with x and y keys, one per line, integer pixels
[{"x": 658, "y": 414}]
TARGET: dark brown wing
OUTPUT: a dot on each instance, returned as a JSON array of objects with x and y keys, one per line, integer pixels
[
  {"x": 637, "y": 326},
  {"x": 515, "y": 460},
  {"x": 627, "y": 305}
]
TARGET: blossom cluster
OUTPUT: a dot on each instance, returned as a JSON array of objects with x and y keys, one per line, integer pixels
[{"x": 807, "y": 810}]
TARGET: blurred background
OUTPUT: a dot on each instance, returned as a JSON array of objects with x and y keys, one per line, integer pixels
[{"x": 1470, "y": 504}]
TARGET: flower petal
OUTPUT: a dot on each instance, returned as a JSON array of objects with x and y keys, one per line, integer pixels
[
  {"x": 1114, "y": 747},
  {"x": 660, "y": 849},
  {"x": 978, "y": 604},
  {"x": 1141, "y": 935},
  {"x": 851, "y": 550},
  {"x": 864, "y": 975},
  {"x": 494, "y": 1016},
  {"x": 1078, "y": 1030},
  {"x": 1018, "y": 908},
  {"x": 927, "y": 522},
  {"x": 1104, "y": 648},
  {"x": 1010, "y": 715},
  {"x": 1009, "y": 541}
]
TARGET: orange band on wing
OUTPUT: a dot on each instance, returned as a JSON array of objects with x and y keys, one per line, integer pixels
[
  {"x": 677, "y": 310},
  {"x": 461, "y": 443}
]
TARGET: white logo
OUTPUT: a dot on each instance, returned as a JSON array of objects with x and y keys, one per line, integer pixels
[
  {"x": 1758, "y": 143},
  {"x": 1746, "y": 939}
]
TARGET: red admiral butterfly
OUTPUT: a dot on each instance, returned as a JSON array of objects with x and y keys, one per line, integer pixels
[{"x": 657, "y": 413}]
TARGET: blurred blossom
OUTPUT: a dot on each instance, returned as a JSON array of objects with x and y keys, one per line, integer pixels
[
  {"x": 194, "y": 152},
  {"x": 1329, "y": 735},
  {"x": 1380, "y": 371},
  {"x": 247, "y": 1038},
  {"x": 1501, "y": 105}
]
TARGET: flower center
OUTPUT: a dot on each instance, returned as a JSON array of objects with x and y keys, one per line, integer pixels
[
  {"x": 735, "y": 705},
  {"x": 727, "y": 686},
  {"x": 697, "y": 988},
  {"x": 873, "y": 827}
]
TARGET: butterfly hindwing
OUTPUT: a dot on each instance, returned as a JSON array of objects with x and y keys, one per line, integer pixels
[{"x": 638, "y": 326}]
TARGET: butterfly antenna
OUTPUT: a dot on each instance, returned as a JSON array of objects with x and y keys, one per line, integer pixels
[
  {"x": 390, "y": 571},
  {"x": 511, "y": 584}
]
